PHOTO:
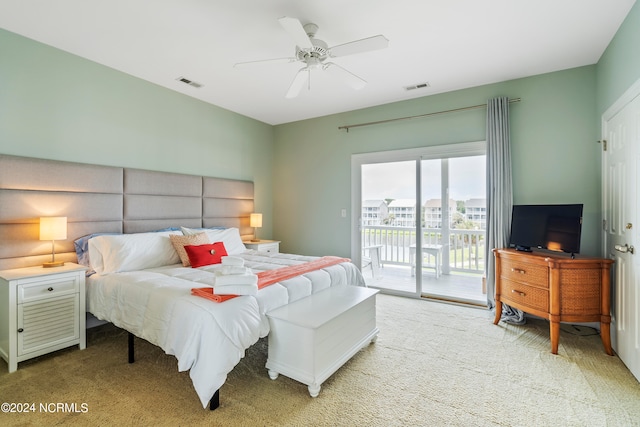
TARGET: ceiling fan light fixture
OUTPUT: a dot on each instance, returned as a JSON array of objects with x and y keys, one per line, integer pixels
[
  {"x": 314, "y": 63},
  {"x": 318, "y": 50}
]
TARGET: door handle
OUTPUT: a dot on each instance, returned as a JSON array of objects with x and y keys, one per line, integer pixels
[{"x": 624, "y": 249}]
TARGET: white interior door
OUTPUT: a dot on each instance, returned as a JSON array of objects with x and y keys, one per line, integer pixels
[{"x": 621, "y": 161}]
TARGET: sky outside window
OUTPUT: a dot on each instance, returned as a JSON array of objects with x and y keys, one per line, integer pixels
[{"x": 396, "y": 180}]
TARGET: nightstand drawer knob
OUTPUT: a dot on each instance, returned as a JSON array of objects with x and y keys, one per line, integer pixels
[
  {"x": 50, "y": 289},
  {"x": 517, "y": 270},
  {"x": 20, "y": 330},
  {"x": 518, "y": 292}
]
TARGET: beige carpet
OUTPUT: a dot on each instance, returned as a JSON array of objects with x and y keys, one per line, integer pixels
[{"x": 434, "y": 364}]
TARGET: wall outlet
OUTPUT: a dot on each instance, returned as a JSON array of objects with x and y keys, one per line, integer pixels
[{"x": 343, "y": 213}]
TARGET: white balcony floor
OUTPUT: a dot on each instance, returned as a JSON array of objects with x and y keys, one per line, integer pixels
[{"x": 463, "y": 287}]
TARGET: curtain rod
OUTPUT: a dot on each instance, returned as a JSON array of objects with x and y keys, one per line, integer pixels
[{"x": 473, "y": 107}]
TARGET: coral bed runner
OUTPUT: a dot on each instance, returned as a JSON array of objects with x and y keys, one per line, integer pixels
[{"x": 269, "y": 277}]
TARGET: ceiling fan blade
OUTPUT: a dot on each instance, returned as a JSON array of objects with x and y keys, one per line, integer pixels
[
  {"x": 298, "y": 82},
  {"x": 359, "y": 46},
  {"x": 265, "y": 61},
  {"x": 296, "y": 31},
  {"x": 347, "y": 76}
]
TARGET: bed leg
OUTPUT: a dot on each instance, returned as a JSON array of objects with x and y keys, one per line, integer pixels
[
  {"x": 131, "y": 354},
  {"x": 214, "y": 403}
]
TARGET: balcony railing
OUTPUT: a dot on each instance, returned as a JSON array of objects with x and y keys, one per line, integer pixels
[{"x": 462, "y": 251}]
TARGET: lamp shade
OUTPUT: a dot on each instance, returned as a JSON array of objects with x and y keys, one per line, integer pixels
[
  {"x": 53, "y": 228},
  {"x": 255, "y": 220}
]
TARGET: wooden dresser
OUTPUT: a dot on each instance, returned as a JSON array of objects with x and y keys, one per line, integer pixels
[{"x": 557, "y": 288}]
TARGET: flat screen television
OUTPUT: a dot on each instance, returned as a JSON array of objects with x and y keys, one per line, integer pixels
[{"x": 552, "y": 227}]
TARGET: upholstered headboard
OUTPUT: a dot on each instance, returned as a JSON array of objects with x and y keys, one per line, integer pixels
[{"x": 98, "y": 199}]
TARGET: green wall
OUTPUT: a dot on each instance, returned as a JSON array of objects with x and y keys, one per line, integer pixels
[
  {"x": 619, "y": 66},
  {"x": 55, "y": 105},
  {"x": 555, "y": 155}
]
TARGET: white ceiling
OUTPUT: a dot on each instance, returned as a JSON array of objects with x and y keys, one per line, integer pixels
[{"x": 452, "y": 44}]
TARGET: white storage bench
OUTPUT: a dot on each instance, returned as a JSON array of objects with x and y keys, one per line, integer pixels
[{"x": 313, "y": 337}]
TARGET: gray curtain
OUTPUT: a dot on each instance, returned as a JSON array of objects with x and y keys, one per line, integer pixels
[{"x": 499, "y": 196}]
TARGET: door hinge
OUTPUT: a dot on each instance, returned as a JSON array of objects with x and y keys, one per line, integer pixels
[
  {"x": 604, "y": 224},
  {"x": 604, "y": 144}
]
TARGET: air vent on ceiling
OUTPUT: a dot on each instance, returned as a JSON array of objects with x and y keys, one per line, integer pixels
[
  {"x": 417, "y": 86},
  {"x": 189, "y": 82}
]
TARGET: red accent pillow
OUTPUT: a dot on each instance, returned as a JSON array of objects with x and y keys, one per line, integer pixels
[{"x": 208, "y": 254}]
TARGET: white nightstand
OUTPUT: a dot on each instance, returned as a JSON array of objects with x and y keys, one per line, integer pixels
[
  {"x": 264, "y": 245},
  {"x": 41, "y": 310}
]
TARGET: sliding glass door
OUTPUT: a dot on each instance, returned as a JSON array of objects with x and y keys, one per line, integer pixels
[
  {"x": 388, "y": 222},
  {"x": 419, "y": 220},
  {"x": 455, "y": 228}
]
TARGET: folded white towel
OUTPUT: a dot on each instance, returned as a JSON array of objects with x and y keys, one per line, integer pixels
[
  {"x": 236, "y": 279},
  {"x": 232, "y": 260},
  {"x": 232, "y": 269},
  {"x": 236, "y": 290}
]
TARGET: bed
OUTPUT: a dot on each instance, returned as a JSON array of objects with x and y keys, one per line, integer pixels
[
  {"x": 147, "y": 290},
  {"x": 208, "y": 338}
]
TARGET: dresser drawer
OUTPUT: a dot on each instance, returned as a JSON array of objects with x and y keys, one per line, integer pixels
[
  {"x": 524, "y": 295},
  {"x": 270, "y": 247},
  {"x": 49, "y": 288},
  {"x": 531, "y": 274}
]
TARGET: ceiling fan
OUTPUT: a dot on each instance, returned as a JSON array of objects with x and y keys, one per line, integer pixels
[{"x": 313, "y": 53}]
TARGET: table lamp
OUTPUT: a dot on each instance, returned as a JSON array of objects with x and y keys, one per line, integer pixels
[
  {"x": 53, "y": 228},
  {"x": 255, "y": 221}
]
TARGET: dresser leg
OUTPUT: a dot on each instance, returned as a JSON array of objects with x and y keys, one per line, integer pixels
[
  {"x": 554, "y": 332},
  {"x": 498, "y": 312},
  {"x": 605, "y": 335}
]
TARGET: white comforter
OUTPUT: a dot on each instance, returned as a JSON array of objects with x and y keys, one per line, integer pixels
[{"x": 207, "y": 338}]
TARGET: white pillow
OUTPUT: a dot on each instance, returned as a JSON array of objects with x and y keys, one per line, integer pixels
[
  {"x": 230, "y": 237},
  {"x": 128, "y": 252}
]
